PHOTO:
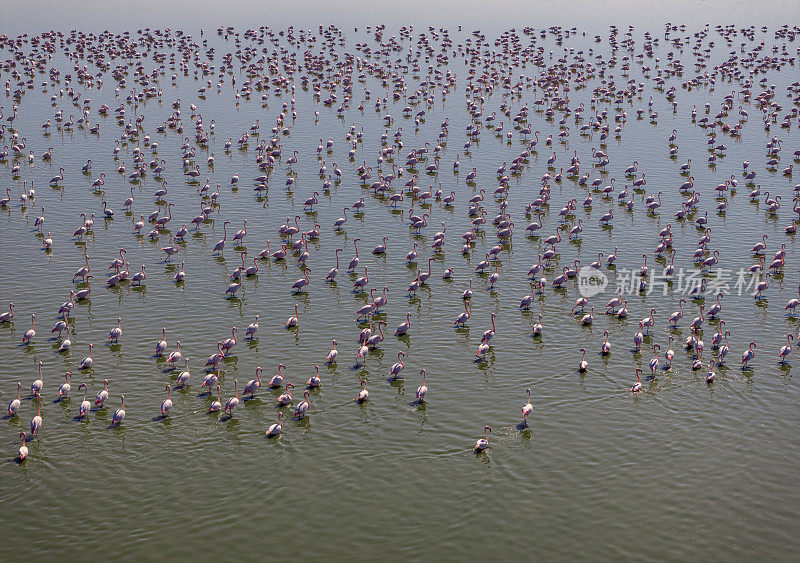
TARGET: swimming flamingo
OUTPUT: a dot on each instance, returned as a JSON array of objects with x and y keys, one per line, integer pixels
[
  {"x": 483, "y": 443},
  {"x": 7, "y": 316},
  {"x": 605, "y": 348},
  {"x": 314, "y": 381},
  {"x": 291, "y": 322},
  {"x": 302, "y": 407},
  {"x": 363, "y": 395},
  {"x": 276, "y": 428},
  {"x": 285, "y": 398}
]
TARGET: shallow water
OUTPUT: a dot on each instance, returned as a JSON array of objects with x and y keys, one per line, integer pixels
[{"x": 684, "y": 470}]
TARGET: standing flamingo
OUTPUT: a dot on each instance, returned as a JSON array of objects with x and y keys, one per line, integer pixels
[
  {"x": 422, "y": 390},
  {"x": 527, "y": 408},
  {"x": 166, "y": 406},
  {"x": 13, "y": 406},
  {"x": 119, "y": 414},
  {"x": 233, "y": 402}
]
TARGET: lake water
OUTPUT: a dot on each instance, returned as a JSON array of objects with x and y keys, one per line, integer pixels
[{"x": 682, "y": 470}]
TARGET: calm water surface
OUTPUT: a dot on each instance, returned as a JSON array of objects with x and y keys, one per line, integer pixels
[{"x": 684, "y": 470}]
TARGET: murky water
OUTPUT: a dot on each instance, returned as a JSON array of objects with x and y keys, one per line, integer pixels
[{"x": 682, "y": 470}]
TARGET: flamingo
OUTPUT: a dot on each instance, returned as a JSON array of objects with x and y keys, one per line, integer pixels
[
  {"x": 748, "y": 355},
  {"x": 402, "y": 328},
  {"x": 8, "y": 315},
  {"x": 119, "y": 414},
  {"x": 483, "y": 443},
  {"x": 229, "y": 343},
  {"x": 314, "y": 381},
  {"x": 292, "y": 322},
  {"x": 102, "y": 395},
  {"x": 14, "y": 405},
  {"x": 363, "y": 395},
  {"x": 184, "y": 376},
  {"x": 605, "y": 348},
  {"x": 217, "y": 357},
  {"x": 233, "y": 402},
  {"x": 166, "y": 406},
  {"x": 27, "y": 338},
  {"x": 253, "y": 385},
  {"x": 115, "y": 332},
  {"x": 538, "y": 328},
  {"x": 334, "y": 271},
  {"x": 422, "y": 390},
  {"x": 463, "y": 318},
  {"x": 394, "y": 371},
  {"x": 161, "y": 345},
  {"x": 583, "y": 365},
  {"x": 63, "y": 391},
  {"x": 654, "y": 360},
  {"x": 23, "y": 449},
  {"x": 85, "y": 405},
  {"x": 276, "y": 428},
  {"x": 66, "y": 344},
  {"x": 252, "y": 329},
  {"x": 211, "y": 379},
  {"x": 786, "y": 350},
  {"x": 298, "y": 286},
  {"x": 38, "y": 384},
  {"x": 793, "y": 304},
  {"x": 677, "y": 315},
  {"x": 303, "y": 406},
  {"x": 36, "y": 421},
  {"x": 216, "y": 404},
  {"x": 527, "y": 408},
  {"x": 711, "y": 374},
  {"x": 285, "y": 398},
  {"x": 220, "y": 246},
  {"x": 381, "y": 248},
  {"x": 354, "y": 262},
  {"x": 637, "y": 387}
]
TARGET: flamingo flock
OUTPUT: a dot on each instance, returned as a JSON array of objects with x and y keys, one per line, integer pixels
[{"x": 370, "y": 167}]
